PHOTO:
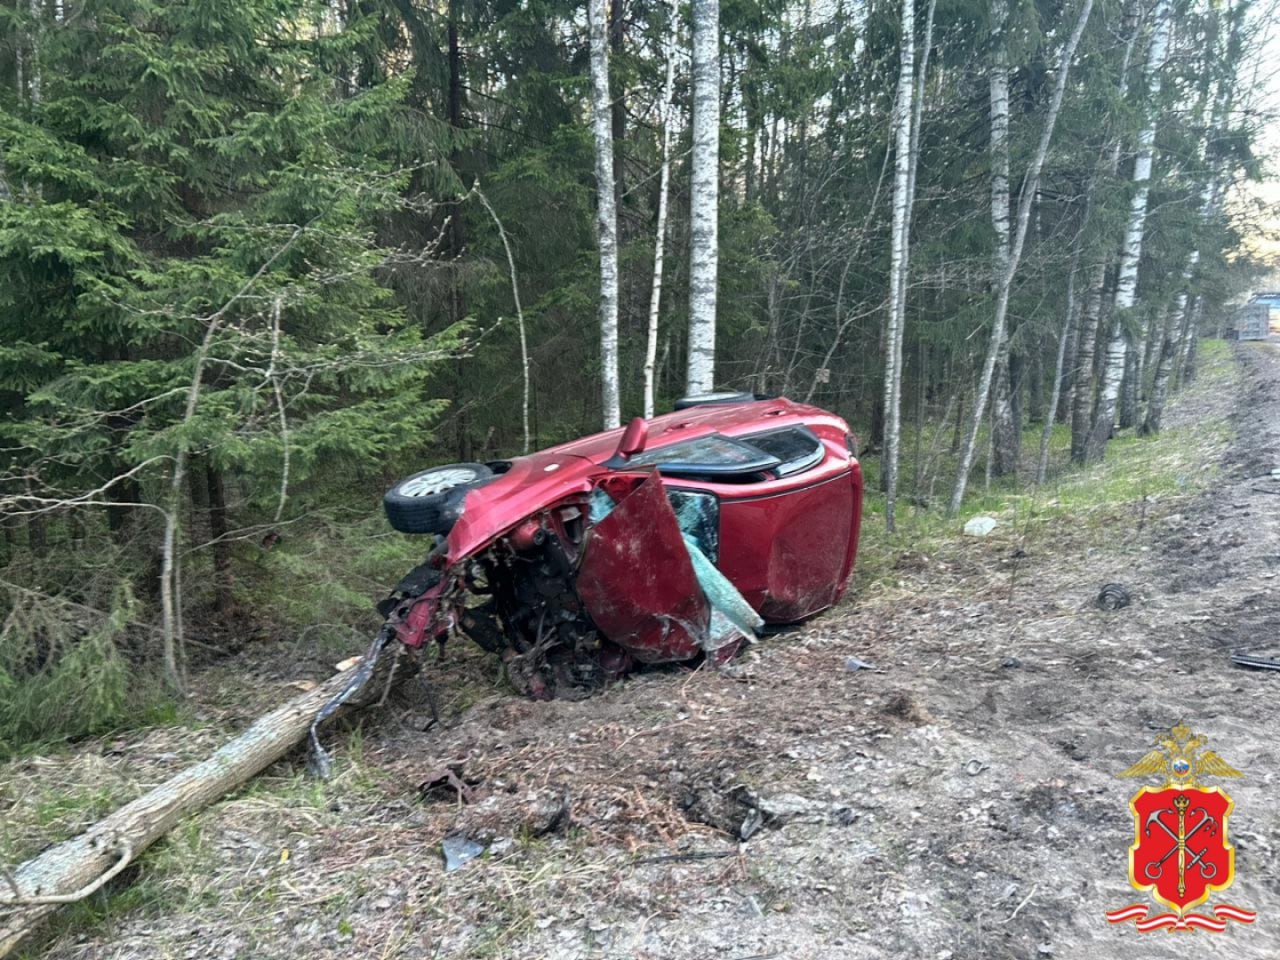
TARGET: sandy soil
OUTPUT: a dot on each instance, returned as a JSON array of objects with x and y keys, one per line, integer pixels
[{"x": 958, "y": 801}]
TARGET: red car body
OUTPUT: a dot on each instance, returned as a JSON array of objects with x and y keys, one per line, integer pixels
[{"x": 785, "y": 535}]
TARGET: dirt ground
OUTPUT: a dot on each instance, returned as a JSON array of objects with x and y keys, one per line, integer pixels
[{"x": 959, "y": 800}]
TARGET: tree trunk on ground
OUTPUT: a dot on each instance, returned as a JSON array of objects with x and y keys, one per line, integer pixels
[
  {"x": 606, "y": 212},
  {"x": 664, "y": 192},
  {"x": 1031, "y": 185},
  {"x": 1131, "y": 252},
  {"x": 704, "y": 193},
  {"x": 898, "y": 265},
  {"x": 81, "y": 862}
]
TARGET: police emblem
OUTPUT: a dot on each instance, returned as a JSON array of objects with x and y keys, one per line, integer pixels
[{"x": 1180, "y": 853}]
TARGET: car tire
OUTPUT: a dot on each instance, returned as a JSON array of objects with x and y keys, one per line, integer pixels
[{"x": 431, "y": 501}]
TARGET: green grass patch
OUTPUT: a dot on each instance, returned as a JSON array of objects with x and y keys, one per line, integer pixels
[{"x": 1138, "y": 473}]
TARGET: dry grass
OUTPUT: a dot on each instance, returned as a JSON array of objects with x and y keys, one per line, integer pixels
[{"x": 352, "y": 867}]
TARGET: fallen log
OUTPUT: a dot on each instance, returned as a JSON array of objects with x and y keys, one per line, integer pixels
[{"x": 74, "y": 869}]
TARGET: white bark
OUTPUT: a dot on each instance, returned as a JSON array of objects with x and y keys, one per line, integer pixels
[
  {"x": 606, "y": 210},
  {"x": 1084, "y": 388},
  {"x": 1002, "y": 406},
  {"x": 1030, "y": 186},
  {"x": 1131, "y": 251},
  {"x": 999, "y": 91},
  {"x": 704, "y": 191},
  {"x": 898, "y": 263},
  {"x": 664, "y": 189},
  {"x": 917, "y": 120}
]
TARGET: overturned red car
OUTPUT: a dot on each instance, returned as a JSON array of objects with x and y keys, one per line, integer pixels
[{"x": 667, "y": 540}]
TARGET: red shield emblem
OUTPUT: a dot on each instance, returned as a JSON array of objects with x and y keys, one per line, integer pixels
[{"x": 1180, "y": 852}]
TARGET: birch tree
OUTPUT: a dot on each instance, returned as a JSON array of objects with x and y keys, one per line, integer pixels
[
  {"x": 1082, "y": 403},
  {"x": 898, "y": 262},
  {"x": 704, "y": 189},
  {"x": 1004, "y": 438},
  {"x": 664, "y": 190},
  {"x": 1131, "y": 251},
  {"x": 606, "y": 210},
  {"x": 1030, "y": 186}
]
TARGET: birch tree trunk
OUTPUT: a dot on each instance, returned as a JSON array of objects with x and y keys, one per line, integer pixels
[
  {"x": 1164, "y": 366},
  {"x": 704, "y": 197},
  {"x": 1004, "y": 441},
  {"x": 1211, "y": 200},
  {"x": 606, "y": 211},
  {"x": 1084, "y": 399},
  {"x": 664, "y": 189},
  {"x": 898, "y": 264},
  {"x": 1030, "y": 186},
  {"x": 1131, "y": 252},
  {"x": 1086, "y": 342}
]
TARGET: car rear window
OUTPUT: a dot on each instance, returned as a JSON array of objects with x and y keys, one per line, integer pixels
[
  {"x": 715, "y": 451},
  {"x": 778, "y": 452},
  {"x": 798, "y": 448}
]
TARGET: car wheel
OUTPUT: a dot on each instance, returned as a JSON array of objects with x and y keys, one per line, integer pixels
[{"x": 431, "y": 501}]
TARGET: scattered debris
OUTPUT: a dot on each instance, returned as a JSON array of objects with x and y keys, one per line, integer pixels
[
  {"x": 973, "y": 767},
  {"x": 1255, "y": 663},
  {"x": 535, "y": 814},
  {"x": 853, "y": 663},
  {"x": 980, "y": 526},
  {"x": 1010, "y": 663},
  {"x": 742, "y": 812},
  {"x": 1113, "y": 596},
  {"x": 448, "y": 783},
  {"x": 458, "y": 851}
]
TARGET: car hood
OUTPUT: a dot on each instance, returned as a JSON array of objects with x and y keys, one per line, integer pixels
[{"x": 533, "y": 483}]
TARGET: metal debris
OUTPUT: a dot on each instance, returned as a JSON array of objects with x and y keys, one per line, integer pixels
[
  {"x": 1113, "y": 596},
  {"x": 1255, "y": 663},
  {"x": 319, "y": 763},
  {"x": 458, "y": 851}
]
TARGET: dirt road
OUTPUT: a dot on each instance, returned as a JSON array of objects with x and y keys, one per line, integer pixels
[{"x": 958, "y": 801}]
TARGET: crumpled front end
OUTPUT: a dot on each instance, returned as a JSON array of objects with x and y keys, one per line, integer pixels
[{"x": 575, "y": 594}]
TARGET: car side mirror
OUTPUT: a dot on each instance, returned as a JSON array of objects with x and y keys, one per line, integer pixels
[{"x": 633, "y": 438}]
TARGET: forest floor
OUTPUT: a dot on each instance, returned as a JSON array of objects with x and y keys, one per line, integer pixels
[{"x": 959, "y": 800}]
